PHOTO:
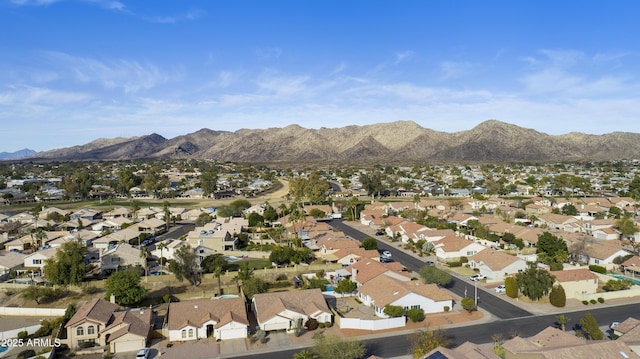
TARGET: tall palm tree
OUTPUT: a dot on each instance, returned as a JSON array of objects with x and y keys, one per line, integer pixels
[
  {"x": 144, "y": 254},
  {"x": 218, "y": 273},
  {"x": 161, "y": 246}
]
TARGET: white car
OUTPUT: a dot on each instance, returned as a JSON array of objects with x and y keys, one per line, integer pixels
[
  {"x": 477, "y": 277},
  {"x": 143, "y": 353},
  {"x": 386, "y": 254},
  {"x": 613, "y": 325},
  {"x": 500, "y": 289}
]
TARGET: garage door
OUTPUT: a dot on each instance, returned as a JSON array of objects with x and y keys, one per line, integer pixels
[
  {"x": 128, "y": 346},
  {"x": 233, "y": 333}
]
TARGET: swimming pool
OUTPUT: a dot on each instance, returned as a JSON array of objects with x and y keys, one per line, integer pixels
[{"x": 621, "y": 277}]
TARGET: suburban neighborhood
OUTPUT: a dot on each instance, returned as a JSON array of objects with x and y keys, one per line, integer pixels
[{"x": 169, "y": 276}]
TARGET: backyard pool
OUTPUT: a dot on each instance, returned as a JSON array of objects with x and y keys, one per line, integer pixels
[{"x": 621, "y": 277}]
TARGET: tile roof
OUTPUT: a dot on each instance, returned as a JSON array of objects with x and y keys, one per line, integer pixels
[
  {"x": 386, "y": 290},
  {"x": 97, "y": 310},
  {"x": 198, "y": 311},
  {"x": 133, "y": 321},
  {"x": 573, "y": 275},
  {"x": 307, "y": 302},
  {"x": 368, "y": 269},
  {"x": 496, "y": 260}
]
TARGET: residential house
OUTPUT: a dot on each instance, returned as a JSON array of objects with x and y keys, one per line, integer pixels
[
  {"x": 86, "y": 324},
  {"x": 290, "y": 310},
  {"x": 600, "y": 253},
  {"x": 220, "y": 318},
  {"x": 120, "y": 257},
  {"x": 99, "y": 323},
  {"x": 555, "y": 221},
  {"x": 628, "y": 332},
  {"x": 152, "y": 226},
  {"x": 631, "y": 266},
  {"x": 213, "y": 237},
  {"x": 453, "y": 248},
  {"x": 128, "y": 331},
  {"x": 461, "y": 219},
  {"x": 368, "y": 269},
  {"x": 384, "y": 290},
  {"x": 326, "y": 209},
  {"x": 169, "y": 250},
  {"x": 348, "y": 256},
  {"x": 10, "y": 261},
  {"x": 121, "y": 236},
  {"x": 496, "y": 265},
  {"x": 555, "y": 343},
  {"x": 576, "y": 282},
  {"x": 37, "y": 260},
  {"x": 467, "y": 350}
]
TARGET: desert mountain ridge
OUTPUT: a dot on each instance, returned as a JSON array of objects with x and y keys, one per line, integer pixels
[{"x": 394, "y": 142}]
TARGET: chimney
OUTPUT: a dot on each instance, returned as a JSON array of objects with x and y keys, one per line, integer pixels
[{"x": 112, "y": 298}]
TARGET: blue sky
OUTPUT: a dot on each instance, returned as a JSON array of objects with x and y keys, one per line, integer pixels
[{"x": 78, "y": 70}]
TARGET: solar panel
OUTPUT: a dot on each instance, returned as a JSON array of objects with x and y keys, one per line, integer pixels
[{"x": 436, "y": 355}]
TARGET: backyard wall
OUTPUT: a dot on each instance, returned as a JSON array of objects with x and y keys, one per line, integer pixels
[{"x": 381, "y": 324}]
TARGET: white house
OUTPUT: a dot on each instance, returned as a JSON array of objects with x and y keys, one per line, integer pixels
[
  {"x": 220, "y": 318},
  {"x": 36, "y": 260},
  {"x": 384, "y": 290},
  {"x": 290, "y": 310},
  {"x": 452, "y": 248},
  {"x": 496, "y": 265}
]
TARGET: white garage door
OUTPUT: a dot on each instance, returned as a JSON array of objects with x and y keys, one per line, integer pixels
[
  {"x": 129, "y": 346},
  {"x": 233, "y": 333}
]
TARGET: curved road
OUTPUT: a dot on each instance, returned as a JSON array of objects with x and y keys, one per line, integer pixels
[{"x": 489, "y": 302}]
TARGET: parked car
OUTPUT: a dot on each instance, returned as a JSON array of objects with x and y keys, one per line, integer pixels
[
  {"x": 386, "y": 260},
  {"x": 379, "y": 233},
  {"x": 477, "y": 277},
  {"x": 386, "y": 254},
  {"x": 500, "y": 289},
  {"x": 613, "y": 325},
  {"x": 430, "y": 263},
  {"x": 143, "y": 354}
]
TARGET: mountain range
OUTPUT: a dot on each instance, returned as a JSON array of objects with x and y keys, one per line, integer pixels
[
  {"x": 23, "y": 153},
  {"x": 394, "y": 142}
]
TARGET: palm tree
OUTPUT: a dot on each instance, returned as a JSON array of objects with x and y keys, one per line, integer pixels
[
  {"x": 161, "y": 246},
  {"x": 562, "y": 320},
  {"x": 144, "y": 254},
  {"x": 167, "y": 214},
  {"x": 218, "y": 273}
]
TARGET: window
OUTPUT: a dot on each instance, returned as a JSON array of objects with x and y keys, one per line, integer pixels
[
  {"x": 90, "y": 330},
  {"x": 115, "y": 259},
  {"x": 37, "y": 261},
  {"x": 80, "y": 331},
  {"x": 597, "y": 261},
  {"x": 415, "y": 307},
  {"x": 184, "y": 333},
  {"x": 190, "y": 333}
]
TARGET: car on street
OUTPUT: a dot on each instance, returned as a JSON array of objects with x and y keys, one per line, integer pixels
[
  {"x": 143, "y": 353},
  {"x": 477, "y": 277},
  {"x": 500, "y": 289},
  {"x": 386, "y": 254},
  {"x": 430, "y": 263}
]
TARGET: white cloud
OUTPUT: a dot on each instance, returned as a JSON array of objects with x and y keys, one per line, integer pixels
[
  {"x": 27, "y": 95},
  {"x": 403, "y": 56},
  {"x": 172, "y": 19},
  {"x": 451, "y": 69},
  {"x": 127, "y": 75}
]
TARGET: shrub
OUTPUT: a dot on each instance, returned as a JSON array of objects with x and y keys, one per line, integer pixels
[
  {"x": 23, "y": 334},
  {"x": 511, "y": 287},
  {"x": 446, "y": 308},
  {"x": 455, "y": 264},
  {"x": 593, "y": 301},
  {"x": 585, "y": 302},
  {"x": 311, "y": 324},
  {"x": 169, "y": 344},
  {"x": 166, "y": 298},
  {"x": 558, "y": 297},
  {"x": 614, "y": 285},
  {"x": 555, "y": 266},
  {"x": 415, "y": 314},
  {"x": 464, "y": 260},
  {"x": 393, "y": 311},
  {"x": 468, "y": 304},
  {"x": 600, "y": 300},
  {"x": 598, "y": 269},
  {"x": 281, "y": 277}
]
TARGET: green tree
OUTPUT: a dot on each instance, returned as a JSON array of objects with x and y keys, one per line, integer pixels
[
  {"x": 468, "y": 304},
  {"x": 67, "y": 267},
  {"x": 208, "y": 181},
  {"x": 424, "y": 341},
  {"x": 569, "y": 210},
  {"x": 626, "y": 226},
  {"x": 185, "y": 266},
  {"x": 369, "y": 243},
  {"x": 255, "y": 219},
  {"x": 245, "y": 272},
  {"x": 281, "y": 255},
  {"x": 415, "y": 314},
  {"x": 270, "y": 214},
  {"x": 535, "y": 283},
  {"x": 211, "y": 262},
  {"x": 125, "y": 286},
  {"x": 304, "y": 354},
  {"x": 345, "y": 286},
  {"x": 253, "y": 286},
  {"x": 590, "y": 327},
  {"x": 431, "y": 274},
  {"x": 203, "y": 219},
  {"x": 557, "y": 297},
  {"x": 551, "y": 248},
  {"x": 511, "y": 287},
  {"x": 334, "y": 347}
]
